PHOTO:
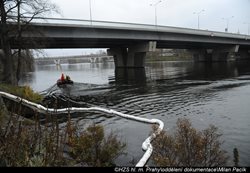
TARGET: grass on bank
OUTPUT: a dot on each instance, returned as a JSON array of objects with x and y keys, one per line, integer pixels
[{"x": 22, "y": 91}]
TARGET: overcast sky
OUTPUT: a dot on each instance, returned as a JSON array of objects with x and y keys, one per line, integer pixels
[{"x": 178, "y": 13}]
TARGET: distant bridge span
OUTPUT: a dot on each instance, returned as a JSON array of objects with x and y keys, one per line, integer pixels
[{"x": 73, "y": 59}]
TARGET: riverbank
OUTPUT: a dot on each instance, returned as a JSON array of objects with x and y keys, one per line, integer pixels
[
  {"x": 25, "y": 142},
  {"x": 184, "y": 56},
  {"x": 21, "y": 91}
]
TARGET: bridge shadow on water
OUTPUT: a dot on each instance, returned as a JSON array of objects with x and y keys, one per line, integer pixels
[
  {"x": 218, "y": 71},
  {"x": 132, "y": 76}
]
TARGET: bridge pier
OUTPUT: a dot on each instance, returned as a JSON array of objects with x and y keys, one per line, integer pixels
[
  {"x": 133, "y": 56},
  {"x": 200, "y": 55},
  {"x": 220, "y": 54},
  {"x": 243, "y": 54}
]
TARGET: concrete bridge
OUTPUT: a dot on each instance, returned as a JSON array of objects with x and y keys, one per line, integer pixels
[{"x": 128, "y": 43}]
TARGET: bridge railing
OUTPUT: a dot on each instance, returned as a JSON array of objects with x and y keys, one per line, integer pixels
[
  {"x": 91, "y": 23},
  {"x": 145, "y": 27},
  {"x": 49, "y": 20}
]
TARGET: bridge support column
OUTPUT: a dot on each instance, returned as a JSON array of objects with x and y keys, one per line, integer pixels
[
  {"x": 225, "y": 53},
  {"x": 120, "y": 56},
  {"x": 221, "y": 54},
  {"x": 133, "y": 56},
  {"x": 243, "y": 54},
  {"x": 200, "y": 55}
]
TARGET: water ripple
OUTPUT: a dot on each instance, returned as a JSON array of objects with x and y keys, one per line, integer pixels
[{"x": 202, "y": 97}]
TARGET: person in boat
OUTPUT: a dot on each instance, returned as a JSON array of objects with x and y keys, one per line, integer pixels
[
  {"x": 63, "y": 80},
  {"x": 68, "y": 78}
]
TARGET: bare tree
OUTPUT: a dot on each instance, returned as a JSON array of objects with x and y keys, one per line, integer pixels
[
  {"x": 19, "y": 13},
  {"x": 5, "y": 44},
  {"x": 189, "y": 147}
]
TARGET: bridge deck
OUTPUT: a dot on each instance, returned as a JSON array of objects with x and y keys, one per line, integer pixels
[{"x": 113, "y": 34}]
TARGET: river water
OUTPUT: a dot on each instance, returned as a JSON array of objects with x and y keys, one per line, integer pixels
[{"x": 214, "y": 93}]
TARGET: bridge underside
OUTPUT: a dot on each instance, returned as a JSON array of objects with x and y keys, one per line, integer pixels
[
  {"x": 221, "y": 53},
  {"x": 67, "y": 43},
  {"x": 131, "y": 53}
]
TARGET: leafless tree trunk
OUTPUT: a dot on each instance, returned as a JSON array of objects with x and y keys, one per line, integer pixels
[
  {"x": 19, "y": 36},
  {"x": 21, "y": 12},
  {"x": 7, "y": 59}
]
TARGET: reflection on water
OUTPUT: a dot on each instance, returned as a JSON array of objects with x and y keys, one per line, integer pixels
[
  {"x": 215, "y": 93},
  {"x": 130, "y": 76}
]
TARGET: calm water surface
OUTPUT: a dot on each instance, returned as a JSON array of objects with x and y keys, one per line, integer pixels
[{"x": 216, "y": 93}]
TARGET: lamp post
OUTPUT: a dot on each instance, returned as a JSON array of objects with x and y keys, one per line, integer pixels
[
  {"x": 248, "y": 27},
  {"x": 227, "y": 22},
  {"x": 155, "y": 5},
  {"x": 198, "y": 15},
  {"x": 90, "y": 12}
]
